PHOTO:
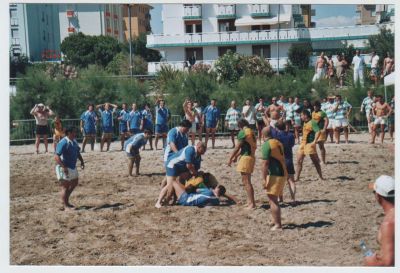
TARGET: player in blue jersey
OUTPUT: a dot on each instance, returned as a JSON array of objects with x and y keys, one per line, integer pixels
[
  {"x": 107, "y": 123},
  {"x": 162, "y": 115},
  {"x": 88, "y": 126},
  {"x": 67, "y": 154},
  {"x": 135, "y": 120},
  {"x": 211, "y": 120},
  {"x": 123, "y": 117},
  {"x": 132, "y": 149},
  {"x": 148, "y": 123}
]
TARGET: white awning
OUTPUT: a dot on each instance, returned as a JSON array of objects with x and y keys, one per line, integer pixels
[
  {"x": 250, "y": 21},
  {"x": 389, "y": 79}
]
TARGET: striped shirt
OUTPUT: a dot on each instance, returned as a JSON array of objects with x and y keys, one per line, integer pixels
[
  {"x": 342, "y": 110},
  {"x": 135, "y": 142},
  {"x": 289, "y": 109},
  {"x": 328, "y": 109},
  {"x": 232, "y": 117},
  {"x": 187, "y": 155},
  {"x": 367, "y": 104},
  {"x": 179, "y": 139}
]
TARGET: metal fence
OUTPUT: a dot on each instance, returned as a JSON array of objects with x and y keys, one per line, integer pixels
[{"x": 23, "y": 131}]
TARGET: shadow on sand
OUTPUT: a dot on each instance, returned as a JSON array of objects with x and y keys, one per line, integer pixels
[
  {"x": 317, "y": 224},
  {"x": 344, "y": 178},
  {"x": 343, "y": 162},
  {"x": 299, "y": 203},
  {"x": 104, "y": 206}
]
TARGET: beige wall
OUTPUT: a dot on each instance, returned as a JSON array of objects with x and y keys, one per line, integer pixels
[{"x": 140, "y": 21}]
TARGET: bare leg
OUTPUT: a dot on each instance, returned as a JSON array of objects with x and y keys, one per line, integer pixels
[
  {"x": 373, "y": 134},
  {"x": 323, "y": 151},
  {"x": 292, "y": 187},
  {"x": 102, "y": 143},
  {"x": 84, "y": 143},
  {"x": 213, "y": 137},
  {"x": 63, "y": 194},
  {"x": 164, "y": 140},
  {"x": 275, "y": 211},
  {"x": 200, "y": 133},
  {"x": 315, "y": 160},
  {"x": 37, "y": 143},
  {"x": 46, "y": 144},
  {"x": 207, "y": 135},
  {"x": 137, "y": 162},
  {"x": 164, "y": 182},
  {"x": 297, "y": 135},
  {"x": 151, "y": 142},
  {"x": 122, "y": 137},
  {"x": 246, "y": 179},
  {"x": 93, "y": 140},
  {"x": 54, "y": 144},
  {"x": 337, "y": 135},
  {"x": 299, "y": 166},
  {"x": 156, "y": 141},
  {"x": 72, "y": 186},
  {"x": 382, "y": 133},
  {"x": 391, "y": 131},
  {"x": 166, "y": 191},
  {"x": 130, "y": 165},
  {"x": 233, "y": 138},
  {"x": 346, "y": 134},
  {"x": 108, "y": 143}
]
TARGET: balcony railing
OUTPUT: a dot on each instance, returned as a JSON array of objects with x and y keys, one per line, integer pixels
[
  {"x": 226, "y": 11},
  {"x": 264, "y": 36},
  {"x": 192, "y": 12},
  {"x": 260, "y": 10},
  {"x": 154, "y": 67},
  {"x": 14, "y": 22},
  {"x": 15, "y": 42}
]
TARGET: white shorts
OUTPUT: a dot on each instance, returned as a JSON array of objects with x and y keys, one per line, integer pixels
[
  {"x": 233, "y": 127},
  {"x": 331, "y": 124},
  {"x": 72, "y": 174},
  {"x": 380, "y": 121},
  {"x": 343, "y": 122},
  {"x": 368, "y": 114}
]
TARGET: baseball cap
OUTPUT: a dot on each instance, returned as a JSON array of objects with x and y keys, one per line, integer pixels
[
  {"x": 40, "y": 105},
  {"x": 384, "y": 186}
]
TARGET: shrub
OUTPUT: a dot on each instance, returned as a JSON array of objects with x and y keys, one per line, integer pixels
[{"x": 299, "y": 55}]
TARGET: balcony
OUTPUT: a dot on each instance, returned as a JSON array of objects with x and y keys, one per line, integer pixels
[
  {"x": 226, "y": 11},
  {"x": 264, "y": 36},
  {"x": 154, "y": 67},
  {"x": 14, "y": 22},
  {"x": 15, "y": 42},
  {"x": 260, "y": 10},
  {"x": 191, "y": 12}
]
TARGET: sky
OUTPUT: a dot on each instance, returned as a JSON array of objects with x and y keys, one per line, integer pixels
[{"x": 325, "y": 16}]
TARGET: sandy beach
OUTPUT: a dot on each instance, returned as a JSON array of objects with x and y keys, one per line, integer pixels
[{"x": 116, "y": 222}]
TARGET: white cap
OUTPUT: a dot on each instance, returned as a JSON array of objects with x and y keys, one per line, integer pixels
[
  {"x": 384, "y": 186},
  {"x": 40, "y": 105}
]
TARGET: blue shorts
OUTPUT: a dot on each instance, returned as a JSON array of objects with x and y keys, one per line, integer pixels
[
  {"x": 161, "y": 128},
  {"x": 135, "y": 131},
  {"x": 108, "y": 130},
  {"x": 176, "y": 171},
  {"x": 197, "y": 199},
  {"x": 149, "y": 127},
  {"x": 91, "y": 131},
  {"x": 123, "y": 129},
  {"x": 134, "y": 152},
  {"x": 211, "y": 124}
]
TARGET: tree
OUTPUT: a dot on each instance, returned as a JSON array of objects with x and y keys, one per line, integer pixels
[
  {"x": 382, "y": 43},
  {"x": 18, "y": 65},
  {"x": 228, "y": 67},
  {"x": 139, "y": 48},
  {"x": 82, "y": 50},
  {"x": 299, "y": 55}
]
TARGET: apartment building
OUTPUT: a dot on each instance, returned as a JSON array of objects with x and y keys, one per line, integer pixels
[
  {"x": 207, "y": 31},
  {"x": 140, "y": 19}
]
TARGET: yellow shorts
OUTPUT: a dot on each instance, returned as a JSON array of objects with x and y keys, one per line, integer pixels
[
  {"x": 307, "y": 149},
  {"x": 322, "y": 137},
  {"x": 246, "y": 164},
  {"x": 275, "y": 184}
]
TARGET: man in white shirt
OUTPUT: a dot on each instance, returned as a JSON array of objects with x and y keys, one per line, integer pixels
[
  {"x": 374, "y": 68},
  {"x": 249, "y": 114},
  {"x": 359, "y": 63}
]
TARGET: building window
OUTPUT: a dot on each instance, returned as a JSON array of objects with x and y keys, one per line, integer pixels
[
  {"x": 226, "y": 25},
  {"x": 193, "y": 27},
  {"x": 196, "y": 52},
  {"x": 261, "y": 27},
  {"x": 264, "y": 51},
  {"x": 223, "y": 49},
  {"x": 13, "y": 13},
  {"x": 373, "y": 13},
  {"x": 14, "y": 33}
]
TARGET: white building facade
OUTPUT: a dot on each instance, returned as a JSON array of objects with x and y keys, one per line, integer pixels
[{"x": 207, "y": 31}]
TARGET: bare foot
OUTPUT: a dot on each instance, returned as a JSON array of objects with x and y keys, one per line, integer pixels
[
  {"x": 158, "y": 205},
  {"x": 250, "y": 207},
  {"x": 276, "y": 227}
]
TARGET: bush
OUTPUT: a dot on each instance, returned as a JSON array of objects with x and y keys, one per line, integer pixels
[
  {"x": 120, "y": 65},
  {"x": 228, "y": 67},
  {"x": 299, "y": 55},
  {"x": 382, "y": 43},
  {"x": 254, "y": 66}
]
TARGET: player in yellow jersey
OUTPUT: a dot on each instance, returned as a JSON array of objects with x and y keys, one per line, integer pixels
[
  {"x": 245, "y": 149},
  {"x": 308, "y": 145},
  {"x": 322, "y": 120},
  {"x": 58, "y": 131},
  {"x": 274, "y": 173}
]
